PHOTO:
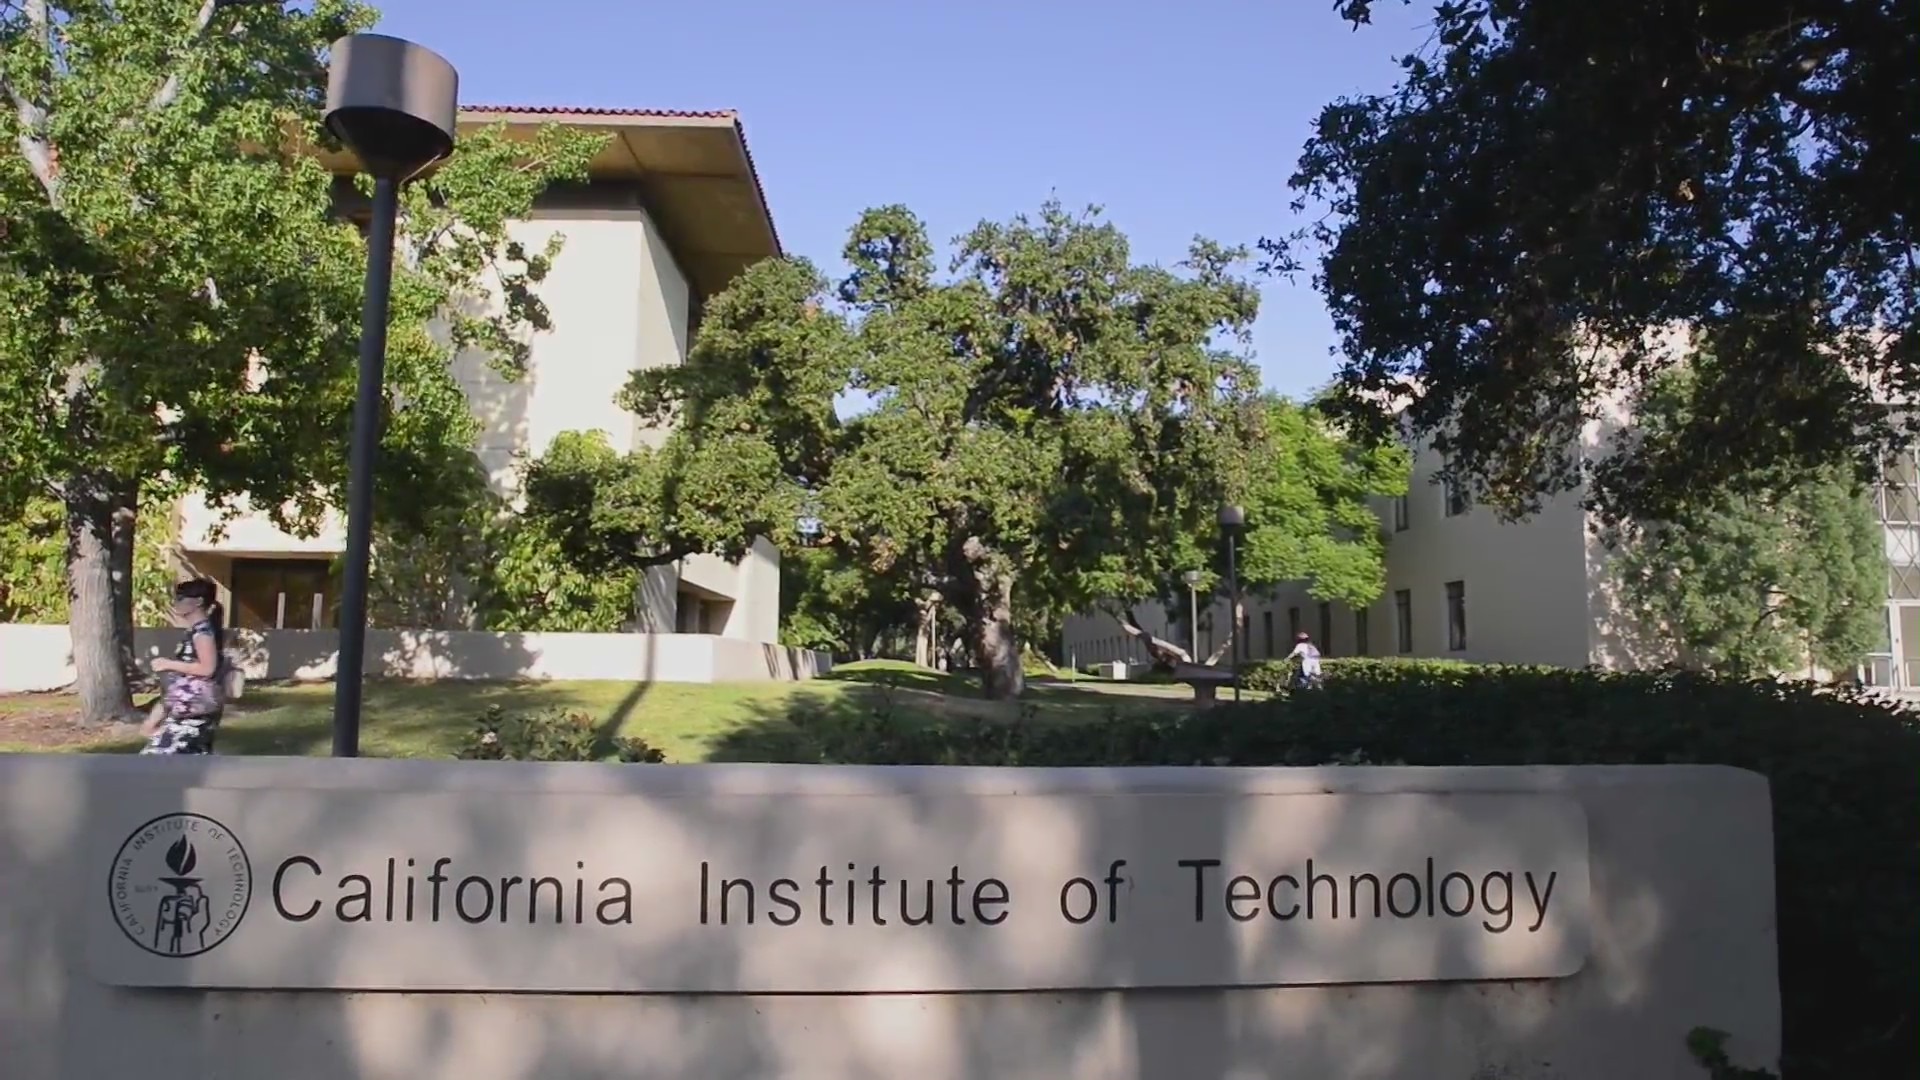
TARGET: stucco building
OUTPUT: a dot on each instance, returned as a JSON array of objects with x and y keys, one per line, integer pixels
[
  {"x": 674, "y": 209},
  {"x": 1461, "y": 584}
]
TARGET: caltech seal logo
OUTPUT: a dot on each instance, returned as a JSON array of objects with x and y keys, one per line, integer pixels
[{"x": 180, "y": 885}]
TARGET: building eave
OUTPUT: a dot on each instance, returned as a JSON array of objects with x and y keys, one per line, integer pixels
[{"x": 694, "y": 170}]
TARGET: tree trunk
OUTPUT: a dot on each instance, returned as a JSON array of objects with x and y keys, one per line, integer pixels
[
  {"x": 996, "y": 651},
  {"x": 101, "y": 655},
  {"x": 996, "y": 645},
  {"x": 926, "y": 635}
]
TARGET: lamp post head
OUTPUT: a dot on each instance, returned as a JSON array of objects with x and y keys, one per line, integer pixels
[
  {"x": 1232, "y": 517},
  {"x": 393, "y": 103},
  {"x": 1192, "y": 578}
]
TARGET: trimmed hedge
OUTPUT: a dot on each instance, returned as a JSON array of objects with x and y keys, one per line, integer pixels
[
  {"x": 1845, "y": 775},
  {"x": 1272, "y": 675}
]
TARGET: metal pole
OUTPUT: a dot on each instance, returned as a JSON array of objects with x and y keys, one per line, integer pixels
[
  {"x": 1233, "y": 584},
  {"x": 363, "y": 453},
  {"x": 1193, "y": 623}
]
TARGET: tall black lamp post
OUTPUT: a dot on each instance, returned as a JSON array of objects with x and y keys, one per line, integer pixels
[
  {"x": 1193, "y": 579},
  {"x": 393, "y": 104},
  {"x": 1232, "y": 520}
]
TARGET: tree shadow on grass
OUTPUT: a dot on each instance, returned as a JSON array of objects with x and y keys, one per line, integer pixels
[
  {"x": 1048, "y": 690},
  {"x": 901, "y": 675},
  {"x": 884, "y": 726}
]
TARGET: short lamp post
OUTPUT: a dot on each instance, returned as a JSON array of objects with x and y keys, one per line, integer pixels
[
  {"x": 1193, "y": 579},
  {"x": 1232, "y": 520},
  {"x": 393, "y": 104}
]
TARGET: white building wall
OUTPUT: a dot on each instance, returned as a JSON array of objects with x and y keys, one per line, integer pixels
[
  {"x": 1525, "y": 582},
  {"x": 576, "y": 368},
  {"x": 1526, "y": 587},
  {"x": 619, "y": 302}
]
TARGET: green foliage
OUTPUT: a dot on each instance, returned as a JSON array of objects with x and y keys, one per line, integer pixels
[
  {"x": 33, "y": 564},
  {"x": 1550, "y": 181},
  {"x": 548, "y": 735},
  {"x": 1759, "y": 577},
  {"x": 33, "y": 580},
  {"x": 541, "y": 566},
  {"x": 1709, "y": 1047},
  {"x": 1309, "y": 518},
  {"x": 828, "y": 602},
  {"x": 1844, "y": 772}
]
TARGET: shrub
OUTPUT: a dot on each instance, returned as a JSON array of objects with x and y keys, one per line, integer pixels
[
  {"x": 633, "y": 750},
  {"x": 548, "y": 735},
  {"x": 1845, "y": 775},
  {"x": 1272, "y": 675}
]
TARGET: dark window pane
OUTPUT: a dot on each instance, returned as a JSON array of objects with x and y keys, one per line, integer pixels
[{"x": 1456, "y": 615}]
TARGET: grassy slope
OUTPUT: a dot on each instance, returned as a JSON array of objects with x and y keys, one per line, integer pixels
[{"x": 689, "y": 722}]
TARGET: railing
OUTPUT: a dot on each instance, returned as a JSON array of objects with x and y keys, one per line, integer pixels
[{"x": 1884, "y": 671}]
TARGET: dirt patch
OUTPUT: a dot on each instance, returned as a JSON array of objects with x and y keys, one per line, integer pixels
[{"x": 52, "y": 722}]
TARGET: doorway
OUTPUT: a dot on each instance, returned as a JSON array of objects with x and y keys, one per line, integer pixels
[{"x": 284, "y": 594}]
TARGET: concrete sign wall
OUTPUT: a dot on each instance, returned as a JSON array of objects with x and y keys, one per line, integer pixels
[
  {"x": 700, "y": 894},
  {"x": 323, "y": 919}
]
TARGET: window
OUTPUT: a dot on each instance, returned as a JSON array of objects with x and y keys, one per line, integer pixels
[
  {"x": 284, "y": 594},
  {"x": 1453, "y": 493},
  {"x": 1903, "y": 581},
  {"x": 1293, "y": 626},
  {"x": 1456, "y": 615},
  {"x": 1900, "y": 489},
  {"x": 1326, "y": 627},
  {"x": 1360, "y": 645},
  {"x": 1266, "y": 625},
  {"x": 1400, "y": 514},
  {"x": 1403, "y": 620}
]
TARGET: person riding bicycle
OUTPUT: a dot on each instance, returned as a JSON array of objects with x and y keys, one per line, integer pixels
[{"x": 1306, "y": 661}]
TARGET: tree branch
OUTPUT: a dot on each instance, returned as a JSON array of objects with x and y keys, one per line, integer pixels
[
  {"x": 170, "y": 89},
  {"x": 32, "y": 114},
  {"x": 1162, "y": 650}
]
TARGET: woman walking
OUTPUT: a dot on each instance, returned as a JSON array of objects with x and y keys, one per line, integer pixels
[{"x": 187, "y": 716}]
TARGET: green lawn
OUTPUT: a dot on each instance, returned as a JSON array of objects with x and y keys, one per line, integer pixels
[{"x": 687, "y": 721}]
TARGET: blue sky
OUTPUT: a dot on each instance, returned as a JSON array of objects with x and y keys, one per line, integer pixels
[{"x": 1177, "y": 119}]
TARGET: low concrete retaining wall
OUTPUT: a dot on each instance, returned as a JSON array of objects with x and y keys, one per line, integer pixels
[
  {"x": 315, "y": 919},
  {"x": 34, "y": 658}
]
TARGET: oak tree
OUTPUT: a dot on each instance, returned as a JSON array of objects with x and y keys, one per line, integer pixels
[
  {"x": 1045, "y": 423},
  {"x": 183, "y": 300},
  {"x": 1511, "y": 229}
]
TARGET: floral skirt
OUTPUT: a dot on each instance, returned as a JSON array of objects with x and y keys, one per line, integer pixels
[
  {"x": 184, "y": 735},
  {"x": 191, "y": 723}
]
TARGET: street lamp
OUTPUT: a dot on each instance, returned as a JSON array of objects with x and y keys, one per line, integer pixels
[
  {"x": 1193, "y": 579},
  {"x": 1232, "y": 520},
  {"x": 393, "y": 104}
]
